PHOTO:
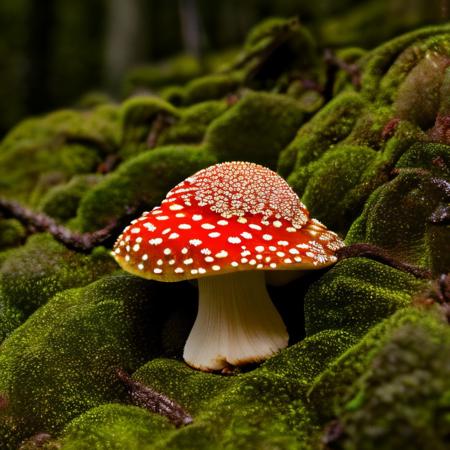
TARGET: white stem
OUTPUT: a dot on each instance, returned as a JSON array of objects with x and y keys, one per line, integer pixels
[{"x": 236, "y": 323}]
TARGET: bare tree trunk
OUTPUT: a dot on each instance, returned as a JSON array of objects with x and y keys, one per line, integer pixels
[
  {"x": 122, "y": 47},
  {"x": 190, "y": 26}
]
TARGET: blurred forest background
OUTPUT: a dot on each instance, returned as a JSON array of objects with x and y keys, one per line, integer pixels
[{"x": 52, "y": 52}]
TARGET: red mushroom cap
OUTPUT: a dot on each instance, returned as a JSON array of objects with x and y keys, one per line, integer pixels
[{"x": 229, "y": 217}]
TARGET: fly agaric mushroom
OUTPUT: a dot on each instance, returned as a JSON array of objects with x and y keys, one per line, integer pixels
[{"x": 225, "y": 226}]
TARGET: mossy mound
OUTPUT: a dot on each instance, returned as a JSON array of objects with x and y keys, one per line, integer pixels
[
  {"x": 398, "y": 216},
  {"x": 142, "y": 182},
  {"x": 61, "y": 202},
  {"x": 64, "y": 356},
  {"x": 355, "y": 295},
  {"x": 12, "y": 233},
  {"x": 137, "y": 116},
  {"x": 255, "y": 129},
  {"x": 33, "y": 273},
  {"x": 41, "y": 153},
  {"x": 114, "y": 426}
]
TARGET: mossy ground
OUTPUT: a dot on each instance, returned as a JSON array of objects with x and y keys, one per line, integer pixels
[{"x": 369, "y": 157}]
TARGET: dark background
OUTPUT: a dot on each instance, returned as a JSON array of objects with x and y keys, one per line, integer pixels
[{"x": 54, "y": 51}]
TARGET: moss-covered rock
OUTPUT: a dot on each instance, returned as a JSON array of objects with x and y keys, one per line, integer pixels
[
  {"x": 397, "y": 218},
  {"x": 193, "y": 123},
  {"x": 61, "y": 202},
  {"x": 116, "y": 427},
  {"x": 137, "y": 116},
  {"x": 61, "y": 362},
  {"x": 355, "y": 295},
  {"x": 43, "y": 152},
  {"x": 255, "y": 129},
  {"x": 141, "y": 182},
  {"x": 12, "y": 233},
  {"x": 211, "y": 87},
  {"x": 33, "y": 273}
]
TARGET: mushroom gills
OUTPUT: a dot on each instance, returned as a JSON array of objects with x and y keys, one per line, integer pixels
[{"x": 236, "y": 323}]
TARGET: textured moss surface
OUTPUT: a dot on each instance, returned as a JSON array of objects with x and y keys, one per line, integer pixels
[{"x": 361, "y": 136}]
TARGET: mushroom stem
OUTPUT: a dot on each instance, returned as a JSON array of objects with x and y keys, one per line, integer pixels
[{"x": 236, "y": 323}]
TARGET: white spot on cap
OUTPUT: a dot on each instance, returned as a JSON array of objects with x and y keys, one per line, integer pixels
[
  {"x": 184, "y": 250},
  {"x": 299, "y": 259},
  {"x": 155, "y": 241},
  {"x": 214, "y": 234},
  {"x": 304, "y": 246},
  {"x": 135, "y": 230},
  {"x": 267, "y": 237},
  {"x": 162, "y": 217},
  {"x": 179, "y": 270},
  {"x": 234, "y": 263},
  {"x": 117, "y": 251},
  {"x": 222, "y": 222},
  {"x": 242, "y": 220},
  {"x": 160, "y": 262},
  {"x": 273, "y": 265},
  {"x": 127, "y": 258},
  {"x": 246, "y": 235},
  {"x": 167, "y": 251},
  {"x": 139, "y": 239},
  {"x": 272, "y": 248},
  {"x": 244, "y": 260},
  {"x": 167, "y": 230},
  {"x": 171, "y": 262},
  {"x": 157, "y": 270},
  {"x": 195, "y": 242},
  {"x": 176, "y": 207},
  {"x": 252, "y": 262},
  {"x": 201, "y": 270},
  {"x": 184, "y": 226},
  {"x": 259, "y": 248},
  {"x": 141, "y": 266},
  {"x": 284, "y": 243},
  {"x": 277, "y": 224},
  {"x": 136, "y": 247},
  {"x": 174, "y": 235},
  {"x": 209, "y": 259},
  {"x": 215, "y": 268},
  {"x": 287, "y": 260},
  {"x": 245, "y": 253},
  {"x": 144, "y": 257},
  {"x": 188, "y": 261},
  {"x": 310, "y": 254},
  {"x": 255, "y": 227},
  {"x": 180, "y": 215},
  {"x": 194, "y": 271},
  {"x": 149, "y": 226},
  {"x": 293, "y": 251},
  {"x": 258, "y": 256},
  {"x": 280, "y": 254},
  {"x": 222, "y": 254},
  {"x": 197, "y": 217},
  {"x": 259, "y": 266},
  {"x": 207, "y": 226},
  {"x": 234, "y": 240},
  {"x": 291, "y": 230}
]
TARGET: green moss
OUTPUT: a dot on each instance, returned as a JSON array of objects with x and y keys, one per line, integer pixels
[
  {"x": 330, "y": 182},
  {"x": 356, "y": 294},
  {"x": 12, "y": 233},
  {"x": 114, "y": 427},
  {"x": 40, "y": 153},
  {"x": 175, "y": 70},
  {"x": 193, "y": 123},
  {"x": 256, "y": 129},
  {"x": 396, "y": 218},
  {"x": 33, "y": 273},
  {"x": 61, "y": 202},
  {"x": 141, "y": 182},
  {"x": 211, "y": 87},
  {"x": 136, "y": 118},
  {"x": 61, "y": 362},
  {"x": 331, "y": 388},
  {"x": 393, "y": 388},
  {"x": 430, "y": 156},
  {"x": 329, "y": 126}
]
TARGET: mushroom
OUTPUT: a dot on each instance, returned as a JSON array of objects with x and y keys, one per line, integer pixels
[{"x": 225, "y": 226}]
